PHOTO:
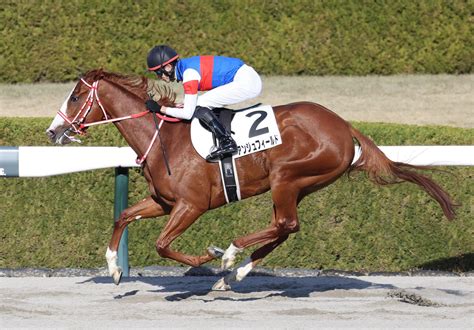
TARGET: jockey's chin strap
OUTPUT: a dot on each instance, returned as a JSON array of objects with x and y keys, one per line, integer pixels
[{"x": 79, "y": 126}]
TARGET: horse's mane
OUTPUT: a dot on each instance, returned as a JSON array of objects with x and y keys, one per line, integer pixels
[{"x": 138, "y": 85}]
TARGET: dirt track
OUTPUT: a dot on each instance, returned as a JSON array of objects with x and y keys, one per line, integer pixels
[
  {"x": 258, "y": 302},
  {"x": 416, "y": 100}
]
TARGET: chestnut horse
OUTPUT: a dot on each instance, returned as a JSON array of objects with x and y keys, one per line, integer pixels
[{"x": 317, "y": 148}]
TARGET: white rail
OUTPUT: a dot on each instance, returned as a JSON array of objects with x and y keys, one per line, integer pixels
[{"x": 48, "y": 161}]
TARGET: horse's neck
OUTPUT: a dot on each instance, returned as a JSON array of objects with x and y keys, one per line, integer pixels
[{"x": 137, "y": 132}]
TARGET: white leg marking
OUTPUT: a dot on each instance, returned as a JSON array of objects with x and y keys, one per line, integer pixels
[
  {"x": 244, "y": 268},
  {"x": 228, "y": 258},
  {"x": 111, "y": 257},
  {"x": 236, "y": 275},
  {"x": 114, "y": 270}
]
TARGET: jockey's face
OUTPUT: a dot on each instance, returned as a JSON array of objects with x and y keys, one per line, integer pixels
[{"x": 168, "y": 68}]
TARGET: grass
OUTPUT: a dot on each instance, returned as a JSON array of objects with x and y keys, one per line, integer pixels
[{"x": 66, "y": 221}]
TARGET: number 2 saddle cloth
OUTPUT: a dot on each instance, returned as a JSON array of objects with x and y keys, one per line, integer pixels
[{"x": 254, "y": 129}]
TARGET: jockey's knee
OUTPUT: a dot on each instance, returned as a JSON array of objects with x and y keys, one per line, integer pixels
[
  {"x": 204, "y": 113},
  {"x": 253, "y": 93},
  {"x": 256, "y": 90}
]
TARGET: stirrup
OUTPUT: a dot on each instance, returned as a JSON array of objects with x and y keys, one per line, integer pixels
[{"x": 219, "y": 153}]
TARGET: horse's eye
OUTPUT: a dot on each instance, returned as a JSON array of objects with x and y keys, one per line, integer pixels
[{"x": 74, "y": 98}]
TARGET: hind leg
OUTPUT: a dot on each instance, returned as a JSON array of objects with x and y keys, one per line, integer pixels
[
  {"x": 147, "y": 208},
  {"x": 284, "y": 222},
  {"x": 241, "y": 271}
]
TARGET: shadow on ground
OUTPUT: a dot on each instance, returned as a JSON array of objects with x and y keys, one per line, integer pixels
[{"x": 252, "y": 288}]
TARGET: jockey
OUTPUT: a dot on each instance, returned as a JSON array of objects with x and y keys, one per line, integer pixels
[{"x": 227, "y": 80}]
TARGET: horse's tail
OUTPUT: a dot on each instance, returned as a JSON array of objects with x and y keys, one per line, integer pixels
[{"x": 382, "y": 170}]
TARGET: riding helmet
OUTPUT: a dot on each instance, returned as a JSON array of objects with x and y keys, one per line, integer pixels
[{"x": 159, "y": 56}]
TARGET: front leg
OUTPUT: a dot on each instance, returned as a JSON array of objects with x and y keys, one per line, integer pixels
[
  {"x": 182, "y": 216},
  {"x": 147, "y": 208}
]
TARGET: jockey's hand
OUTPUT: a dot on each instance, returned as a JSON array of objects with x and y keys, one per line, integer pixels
[
  {"x": 163, "y": 110},
  {"x": 152, "y": 106}
]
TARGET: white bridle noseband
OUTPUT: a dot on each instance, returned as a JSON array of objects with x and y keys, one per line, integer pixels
[{"x": 77, "y": 123}]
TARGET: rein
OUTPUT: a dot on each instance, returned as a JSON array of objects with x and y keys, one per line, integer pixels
[{"x": 79, "y": 126}]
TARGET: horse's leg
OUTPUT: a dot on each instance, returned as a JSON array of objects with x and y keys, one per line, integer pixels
[
  {"x": 284, "y": 222},
  {"x": 147, "y": 208},
  {"x": 182, "y": 216},
  {"x": 241, "y": 271}
]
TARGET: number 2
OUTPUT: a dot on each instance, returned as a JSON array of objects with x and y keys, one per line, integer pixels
[{"x": 254, "y": 130}]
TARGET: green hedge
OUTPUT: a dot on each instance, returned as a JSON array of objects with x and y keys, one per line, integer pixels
[
  {"x": 59, "y": 40},
  {"x": 66, "y": 221}
]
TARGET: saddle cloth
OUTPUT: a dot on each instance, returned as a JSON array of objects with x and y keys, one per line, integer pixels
[{"x": 254, "y": 129}]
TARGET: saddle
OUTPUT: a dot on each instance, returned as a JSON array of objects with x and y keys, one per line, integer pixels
[{"x": 253, "y": 128}]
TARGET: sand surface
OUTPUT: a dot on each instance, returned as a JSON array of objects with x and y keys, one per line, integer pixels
[
  {"x": 417, "y": 100},
  {"x": 258, "y": 302}
]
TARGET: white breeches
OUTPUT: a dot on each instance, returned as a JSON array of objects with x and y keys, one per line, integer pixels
[{"x": 246, "y": 85}]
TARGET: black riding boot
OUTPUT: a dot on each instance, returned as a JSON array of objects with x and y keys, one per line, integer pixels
[{"x": 227, "y": 145}]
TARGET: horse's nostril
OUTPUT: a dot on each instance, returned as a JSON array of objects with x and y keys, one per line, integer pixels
[{"x": 50, "y": 133}]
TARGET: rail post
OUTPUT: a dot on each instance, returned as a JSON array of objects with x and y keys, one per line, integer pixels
[{"x": 120, "y": 204}]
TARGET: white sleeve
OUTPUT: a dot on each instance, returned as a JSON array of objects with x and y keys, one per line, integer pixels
[
  {"x": 190, "y": 74},
  {"x": 191, "y": 79},
  {"x": 187, "y": 112}
]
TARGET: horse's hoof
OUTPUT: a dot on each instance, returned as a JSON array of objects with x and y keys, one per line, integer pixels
[
  {"x": 117, "y": 276},
  {"x": 221, "y": 285},
  {"x": 215, "y": 251},
  {"x": 227, "y": 263}
]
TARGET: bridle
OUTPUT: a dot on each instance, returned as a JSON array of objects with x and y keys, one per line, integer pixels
[
  {"x": 79, "y": 126},
  {"x": 77, "y": 123}
]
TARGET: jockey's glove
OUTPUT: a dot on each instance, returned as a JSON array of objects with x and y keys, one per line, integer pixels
[{"x": 152, "y": 105}]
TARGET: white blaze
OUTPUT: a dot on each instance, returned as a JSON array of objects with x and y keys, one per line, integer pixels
[{"x": 58, "y": 120}]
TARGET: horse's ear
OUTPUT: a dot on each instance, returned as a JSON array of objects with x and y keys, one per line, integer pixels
[
  {"x": 99, "y": 74},
  {"x": 96, "y": 74}
]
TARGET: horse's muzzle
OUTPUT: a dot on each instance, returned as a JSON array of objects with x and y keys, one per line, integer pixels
[{"x": 60, "y": 136}]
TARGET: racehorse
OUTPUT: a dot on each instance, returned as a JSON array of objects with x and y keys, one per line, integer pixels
[{"x": 317, "y": 148}]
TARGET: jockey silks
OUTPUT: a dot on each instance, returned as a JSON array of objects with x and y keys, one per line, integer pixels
[
  {"x": 214, "y": 71},
  {"x": 226, "y": 81}
]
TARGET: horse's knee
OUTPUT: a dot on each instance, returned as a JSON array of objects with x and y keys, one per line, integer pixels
[
  {"x": 127, "y": 216},
  {"x": 288, "y": 226},
  {"x": 123, "y": 217}
]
